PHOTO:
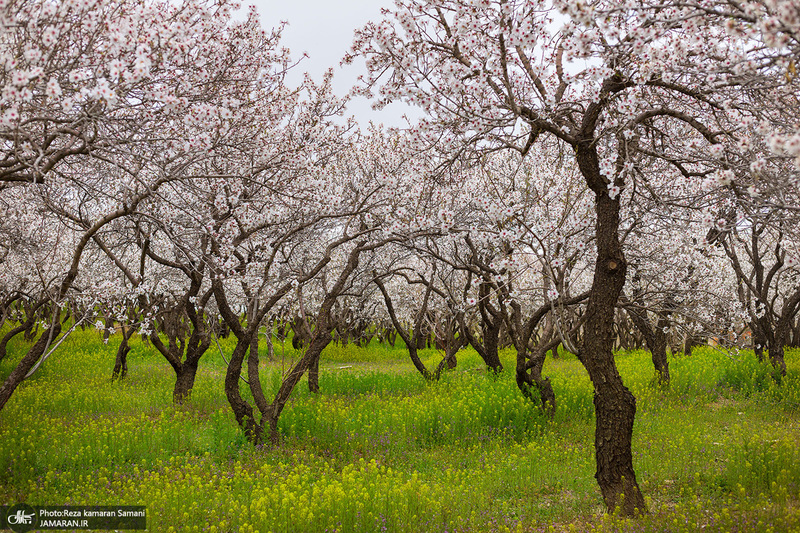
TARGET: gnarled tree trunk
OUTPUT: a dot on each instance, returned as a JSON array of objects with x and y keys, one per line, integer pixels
[
  {"x": 654, "y": 337},
  {"x": 615, "y": 405},
  {"x": 121, "y": 360}
]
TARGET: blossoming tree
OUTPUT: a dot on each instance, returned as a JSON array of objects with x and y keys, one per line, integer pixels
[
  {"x": 494, "y": 75},
  {"x": 112, "y": 100}
]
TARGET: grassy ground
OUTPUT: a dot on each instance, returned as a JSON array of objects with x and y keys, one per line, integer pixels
[{"x": 380, "y": 450}]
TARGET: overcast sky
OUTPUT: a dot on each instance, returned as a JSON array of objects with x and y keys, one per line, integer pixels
[{"x": 323, "y": 29}]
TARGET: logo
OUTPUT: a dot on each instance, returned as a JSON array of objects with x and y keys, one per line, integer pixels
[{"x": 21, "y": 517}]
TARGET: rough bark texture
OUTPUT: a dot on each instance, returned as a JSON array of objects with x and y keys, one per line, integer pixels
[
  {"x": 313, "y": 375},
  {"x": 758, "y": 340},
  {"x": 530, "y": 359},
  {"x": 615, "y": 405},
  {"x": 184, "y": 376},
  {"x": 488, "y": 345},
  {"x": 184, "y": 382},
  {"x": 6, "y": 308},
  {"x": 184, "y": 357},
  {"x": 491, "y": 344},
  {"x": 188, "y": 338},
  {"x": 242, "y": 410},
  {"x": 253, "y": 378},
  {"x": 794, "y": 340},
  {"x": 320, "y": 339},
  {"x": 530, "y": 362},
  {"x": 776, "y": 350},
  {"x": 659, "y": 351},
  {"x": 121, "y": 360}
]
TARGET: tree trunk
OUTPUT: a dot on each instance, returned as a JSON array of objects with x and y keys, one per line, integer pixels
[
  {"x": 30, "y": 318},
  {"x": 321, "y": 337},
  {"x": 777, "y": 360},
  {"x": 759, "y": 341},
  {"x": 31, "y": 331},
  {"x": 659, "y": 351},
  {"x": 422, "y": 341},
  {"x": 121, "y": 361},
  {"x": 411, "y": 341},
  {"x": 242, "y": 410},
  {"x": 794, "y": 340},
  {"x": 318, "y": 343},
  {"x": 5, "y": 309},
  {"x": 688, "y": 343},
  {"x": 300, "y": 331},
  {"x": 615, "y": 405},
  {"x": 776, "y": 351},
  {"x": 109, "y": 327},
  {"x": 654, "y": 338},
  {"x": 224, "y": 330},
  {"x": 24, "y": 366},
  {"x": 313, "y": 375},
  {"x": 529, "y": 375},
  {"x": 183, "y": 357},
  {"x": 487, "y": 347},
  {"x": 184, "y": 382},
  {"x": 660, "y": 362},
  {"x": 546, "y": 392},
  {"x": 391, "y": 336},
  {"x": 491, "y": 344}
]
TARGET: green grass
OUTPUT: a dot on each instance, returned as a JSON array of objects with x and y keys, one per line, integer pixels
[{"x": 381, "y": 449}]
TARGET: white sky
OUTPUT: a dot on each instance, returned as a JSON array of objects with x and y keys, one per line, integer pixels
[{"x": 323, "y": 29}]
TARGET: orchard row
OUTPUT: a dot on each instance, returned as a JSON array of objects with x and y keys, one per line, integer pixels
[{"x": 584, "y": 174}]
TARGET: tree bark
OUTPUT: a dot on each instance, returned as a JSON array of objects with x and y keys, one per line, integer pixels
[
  {"x": 121, "y": 360},
  {"x": 615, "y": 405},
  {"x": 530, "y": 359},
  {"x": 313, "y": 375},
  {"x": 270, "y": 413},
  {"x": 6, "y": 308},
  {"x": 529, "y": 375},
  {"x": 654, "y": 338},
  {"x": 660, "y": 362},
  {"x": 184, "y": 382},
  {"x": 24, "y": 366},
  {"x": 776, "y": 351},
  {"x": 242, "y": 410},
  {"x": 183, "y": 356},
  {"x": 321, "y": 339},
  {"x": 488, "y": 346},
  {"x": 794, "y": 340}
]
